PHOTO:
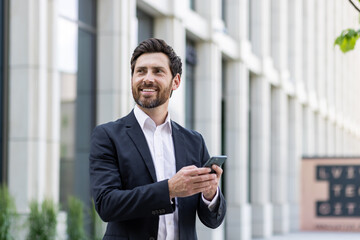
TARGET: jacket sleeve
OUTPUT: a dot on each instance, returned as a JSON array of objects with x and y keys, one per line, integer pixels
[
  {"x": 211, "y": 219},
  {"x": 112, "y": 201}
]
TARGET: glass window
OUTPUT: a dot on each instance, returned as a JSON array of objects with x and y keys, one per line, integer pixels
[
  {"x": 3, "y": 88},
  {"x": 223, "y": 118},
  {"x": 190, "y": 84},
  {"x": 192, "y": 4},
  {"x": 77, "y": 69},
  {"x": 223, "y": 11},
  {"x": 145, "y": 25}
]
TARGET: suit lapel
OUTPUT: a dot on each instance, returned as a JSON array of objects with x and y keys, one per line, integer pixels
[
  {"x": 137, "y": 136},
  {"x": 179, "y": 146}
]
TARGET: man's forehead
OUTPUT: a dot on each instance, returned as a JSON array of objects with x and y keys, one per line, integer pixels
[{"x": 153, "y": 60}]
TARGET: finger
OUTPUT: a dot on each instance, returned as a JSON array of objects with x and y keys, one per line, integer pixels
[
  {"x": 204, "y": 170},
  {"x": 189, "y": 170},
  {"x": 189, "y": 167},
  {"x": 197, "y": 171},
  {"x": 202, "y": 187},
  {"x": 203, "y": 178},
  {"x": 218, "y": 170}
]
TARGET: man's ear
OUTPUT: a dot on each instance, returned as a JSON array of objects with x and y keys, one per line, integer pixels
[{"x": 176, "y": 82}]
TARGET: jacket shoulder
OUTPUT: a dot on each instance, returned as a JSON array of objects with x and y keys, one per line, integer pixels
[
  {"x": 117, "y": 125},
  {"x": 187, "y": 132}
]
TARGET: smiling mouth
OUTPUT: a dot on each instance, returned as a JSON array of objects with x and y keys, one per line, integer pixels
[{"x": 148, "y": 90}]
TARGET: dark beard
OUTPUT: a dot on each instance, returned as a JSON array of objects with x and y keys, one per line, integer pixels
[
  {"x": 149, "y": 104},
  {"x": 162, "y": 95}
]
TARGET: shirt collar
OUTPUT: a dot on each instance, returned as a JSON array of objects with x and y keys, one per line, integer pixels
[{"x": 143, "y": 119}]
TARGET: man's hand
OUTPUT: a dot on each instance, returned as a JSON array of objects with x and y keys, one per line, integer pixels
[
  {"x": 209, "y": 194},
  {"x": 191, "y": 180}
]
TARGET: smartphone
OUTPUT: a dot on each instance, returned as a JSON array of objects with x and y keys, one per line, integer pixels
[{"x": 217, "y": 160}]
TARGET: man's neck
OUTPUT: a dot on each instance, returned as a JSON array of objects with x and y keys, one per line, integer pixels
[{"x": 157, "y": 114}]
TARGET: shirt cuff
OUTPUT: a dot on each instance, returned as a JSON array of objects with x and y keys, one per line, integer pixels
[{"x": 211, "y": 205}]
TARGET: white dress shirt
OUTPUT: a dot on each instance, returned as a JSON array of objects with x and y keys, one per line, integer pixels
[{"x": 161, "y": 145}]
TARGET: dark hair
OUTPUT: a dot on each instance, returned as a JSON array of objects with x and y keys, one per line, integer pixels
[{"x": 154, "y": 45}]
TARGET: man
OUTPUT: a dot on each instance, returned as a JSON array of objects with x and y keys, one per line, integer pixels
[{"x": 146, "y": 172}]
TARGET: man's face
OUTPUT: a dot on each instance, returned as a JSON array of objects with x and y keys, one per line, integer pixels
[{"x": 152, "y": 80}]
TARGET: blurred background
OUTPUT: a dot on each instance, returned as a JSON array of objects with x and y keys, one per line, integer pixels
[{"x": 262, "y": 82}]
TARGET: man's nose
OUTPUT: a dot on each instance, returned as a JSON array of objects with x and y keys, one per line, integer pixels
[{"x": 149, "y": 77}]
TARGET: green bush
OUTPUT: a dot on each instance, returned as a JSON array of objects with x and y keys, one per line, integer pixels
[
  {"x": 97, "y": 223},
  {"x": 42, "y": 221},
  {"x": 7, "y": 213},
  {"x": 75, "y": 219}
]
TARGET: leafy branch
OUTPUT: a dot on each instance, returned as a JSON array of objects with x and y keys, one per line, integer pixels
[
  {"x": 354, "y": 5},
  {"x": 348, "y": 37}
]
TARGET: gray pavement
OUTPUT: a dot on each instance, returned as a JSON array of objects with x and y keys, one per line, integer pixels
[{"x": 315, "y": 236}]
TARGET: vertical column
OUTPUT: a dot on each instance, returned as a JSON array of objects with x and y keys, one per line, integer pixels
[
  {"x": 172, "y": 30},
  {"x": 294, "y": 166},
  {"x": 295, "y": 124},
  {"x": 330, "y": 138},
  {"x": 279, "y": 43},
  {"x": 208, "y": 83},
  {"x": 279, "y": 158},
  {"x": 260, "y": 122},
  {"x": 30, "y": 50},
  {"x": 116, "y": 39},
  {"x": 208, "y": 108},
  {"x": 330, "y": 77},
  {"x": 238, "y": 20},
  {"x": 53, "y": 108},
  {"x": 347, "y": 142},
  {"x": 308, "y": 59},
  {"x": 321, "y": 135},
  {"x": 238, "y": 225},
  {"x": 337, "y": 77},
  {"x": 308, "y": 132},
  {"x": 344, "y": 91},
  {"x": 320, "y": 87},
  {"x": 262, "y": 213},
  {"x": 295, "y": 43},
  {"x": 339, "y": 139},
  {"x": 279, "y": 111},
  {"x": 208, "y": 91},
  {"x": 320, "y": 33},
  {"x": 260, "y": 27},
  {"x": 308, "y": 66}
]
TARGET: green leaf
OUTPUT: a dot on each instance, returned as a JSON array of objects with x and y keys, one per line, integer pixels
[{"x": 347, "y": 40}]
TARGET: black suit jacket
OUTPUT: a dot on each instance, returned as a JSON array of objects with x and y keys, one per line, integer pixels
[{"x": 125, "y": 189}]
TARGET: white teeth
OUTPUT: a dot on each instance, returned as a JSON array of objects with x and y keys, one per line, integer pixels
[{"x": 148, "y": 90}]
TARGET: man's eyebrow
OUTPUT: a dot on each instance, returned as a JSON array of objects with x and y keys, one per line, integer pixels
[
  {"x": 159, "y": 67},
  {"x": 152, "y": 67}
]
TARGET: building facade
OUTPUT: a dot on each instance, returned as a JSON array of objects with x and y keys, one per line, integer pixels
[{"x": 262, "y": 82}]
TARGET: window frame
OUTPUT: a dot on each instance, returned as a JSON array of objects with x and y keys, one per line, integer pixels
[
  {"x": 190, "y": 64},
  {"x": 4, "y": 62}
]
